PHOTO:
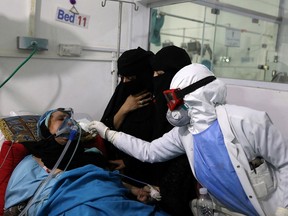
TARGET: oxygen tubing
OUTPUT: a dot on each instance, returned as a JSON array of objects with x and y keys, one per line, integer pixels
[{"x": 26, "y": 60}]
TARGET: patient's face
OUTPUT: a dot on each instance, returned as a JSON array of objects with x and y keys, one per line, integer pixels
[{"x": 55, "y": 122}]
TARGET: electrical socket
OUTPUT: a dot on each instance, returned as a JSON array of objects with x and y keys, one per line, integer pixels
[
  {"x": 71, "y": 50},
  {"x": 29, "y": 43}
]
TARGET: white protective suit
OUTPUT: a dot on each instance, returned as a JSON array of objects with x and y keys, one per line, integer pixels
[{"x": 247, "y": 134}]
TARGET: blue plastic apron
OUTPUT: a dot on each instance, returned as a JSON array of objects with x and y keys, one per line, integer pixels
[{"x": 215, "y": 171}]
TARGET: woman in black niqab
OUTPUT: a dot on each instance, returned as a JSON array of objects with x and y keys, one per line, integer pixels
[
  {"x": 170, "y": 60},
  {"x": 178, "y": 185},
  {"x": 136, "y": 63}
]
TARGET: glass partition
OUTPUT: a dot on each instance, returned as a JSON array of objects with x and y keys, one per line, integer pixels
[{"x": 236, "y": 39}]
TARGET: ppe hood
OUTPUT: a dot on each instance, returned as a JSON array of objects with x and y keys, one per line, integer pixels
[{"x": 202, "y": 102}]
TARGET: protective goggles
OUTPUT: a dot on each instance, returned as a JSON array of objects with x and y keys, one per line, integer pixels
[{"x": 175, "y": 97}]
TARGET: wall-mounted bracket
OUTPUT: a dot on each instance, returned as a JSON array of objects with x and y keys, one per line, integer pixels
[{"x": 30, "y": 43}]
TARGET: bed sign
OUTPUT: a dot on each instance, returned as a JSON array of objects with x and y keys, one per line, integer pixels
[{"x": 66, "y": 16}]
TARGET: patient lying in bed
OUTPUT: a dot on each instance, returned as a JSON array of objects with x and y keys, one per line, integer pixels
[
  {"x": 89, "y": 190},
  {"x": 80, "y": 186}
]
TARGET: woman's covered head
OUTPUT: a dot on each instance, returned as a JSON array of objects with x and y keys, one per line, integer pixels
[
  {"x": 171, "y": 59},
  {"x": 135, "y": 66},
  {"x": 166, "y": 63}
]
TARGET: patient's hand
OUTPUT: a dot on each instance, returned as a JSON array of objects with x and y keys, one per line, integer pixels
[
  {"x": 145, "y": 194},
  {"x": 142, "y": 194}
]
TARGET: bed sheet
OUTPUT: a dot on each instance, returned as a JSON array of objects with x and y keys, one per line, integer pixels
[{"x": 91, "y": 190}]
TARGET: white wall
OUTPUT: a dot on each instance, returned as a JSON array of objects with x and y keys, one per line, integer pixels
[{"x": 48, "y": 80}]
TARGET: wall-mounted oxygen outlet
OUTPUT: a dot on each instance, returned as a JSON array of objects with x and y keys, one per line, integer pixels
[{"x": 29, "y": 43}]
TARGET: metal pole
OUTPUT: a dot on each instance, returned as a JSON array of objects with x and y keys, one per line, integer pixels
[
  {"x": 115, "y": 58},
  {"x": 115, "y": 72}
]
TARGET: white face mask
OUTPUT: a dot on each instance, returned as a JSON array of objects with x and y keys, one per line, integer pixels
[{"x": 178, "y": 117}]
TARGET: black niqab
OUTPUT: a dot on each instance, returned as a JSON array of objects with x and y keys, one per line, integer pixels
[
  {"x": 135, "y": 62},
  {"x": 178, "y": 185},
  {"x": 169, "y": 59}
]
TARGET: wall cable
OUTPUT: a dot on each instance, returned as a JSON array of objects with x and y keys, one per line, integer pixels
[{"x": 24, "y": 62}]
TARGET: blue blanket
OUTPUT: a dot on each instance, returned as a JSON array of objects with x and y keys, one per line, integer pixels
[{"x": 90, "y": 190}]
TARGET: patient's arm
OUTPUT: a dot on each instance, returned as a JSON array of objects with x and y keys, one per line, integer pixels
[{"x": 39, "y": 161}]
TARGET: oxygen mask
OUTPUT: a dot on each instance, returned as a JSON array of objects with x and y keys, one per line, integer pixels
[{"x": 68, "y": 126}]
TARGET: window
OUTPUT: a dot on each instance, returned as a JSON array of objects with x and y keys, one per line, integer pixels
[{"x": 242, "y": 40}]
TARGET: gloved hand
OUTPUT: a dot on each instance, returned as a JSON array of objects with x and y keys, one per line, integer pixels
[
  {"x": 97, "y": 127},
  {"x": 280, "y": 211}
]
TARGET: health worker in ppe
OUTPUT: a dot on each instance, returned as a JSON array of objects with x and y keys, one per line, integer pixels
[{"x": 235, "y": 152}]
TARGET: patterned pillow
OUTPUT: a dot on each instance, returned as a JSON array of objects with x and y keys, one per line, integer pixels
[{"x": 20, "y": 128}]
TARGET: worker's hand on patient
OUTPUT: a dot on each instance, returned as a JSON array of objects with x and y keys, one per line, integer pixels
[
  {"x": 281, "y": 211},
  {"x": 97, "y": 127}
]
